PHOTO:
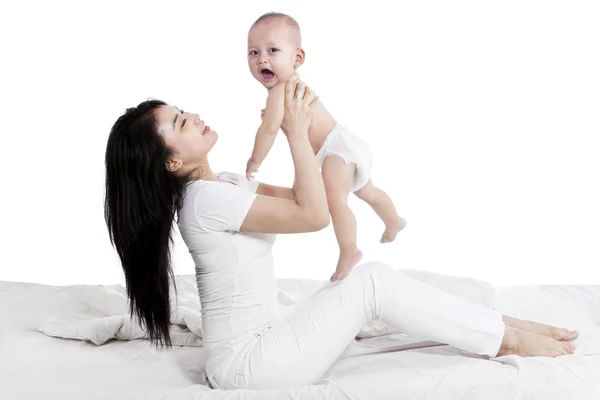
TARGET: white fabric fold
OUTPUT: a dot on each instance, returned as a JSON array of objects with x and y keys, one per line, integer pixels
[{"x": 99, "y": 313}]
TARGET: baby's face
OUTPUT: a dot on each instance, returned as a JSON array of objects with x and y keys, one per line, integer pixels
[{"x": 272, "y": 52}]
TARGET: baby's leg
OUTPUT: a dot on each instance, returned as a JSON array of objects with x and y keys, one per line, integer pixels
[
  {"x": 338, "y": 178},
  {"x": 383, "y": 206}
]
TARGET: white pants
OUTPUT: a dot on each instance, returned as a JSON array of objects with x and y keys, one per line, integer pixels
[{"x": 300, "y": 348}]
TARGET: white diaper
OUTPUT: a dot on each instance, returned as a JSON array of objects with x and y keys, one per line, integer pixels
[{"x": 352, "y": 149}]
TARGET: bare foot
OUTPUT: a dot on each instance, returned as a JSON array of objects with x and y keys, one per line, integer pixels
[
  {"x": 392, "y": 230},
  {"x": 529, "y": 344},
  {"x": 541, "y": 329},
  {"x": 347, "y": 260}
]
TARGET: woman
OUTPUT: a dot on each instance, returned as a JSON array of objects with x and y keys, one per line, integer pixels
[{"x": 157, "y": 166}]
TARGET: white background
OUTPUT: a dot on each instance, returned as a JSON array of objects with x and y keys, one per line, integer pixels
[{"x": 483, "y": 116}]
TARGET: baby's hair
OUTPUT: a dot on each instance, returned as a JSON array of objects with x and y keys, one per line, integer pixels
[{"x": 289, "y": 21}]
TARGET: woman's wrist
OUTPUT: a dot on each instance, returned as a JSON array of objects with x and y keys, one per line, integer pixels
[{"x": 297, "y": 136}]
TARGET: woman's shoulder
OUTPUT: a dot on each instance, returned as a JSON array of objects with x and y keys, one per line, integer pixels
[
  {"x": 231, "y": 177},
  {"x": 238, "y": 180},
  {"x": 218, "y": 204},
  {"x": 226, "y": 181}
]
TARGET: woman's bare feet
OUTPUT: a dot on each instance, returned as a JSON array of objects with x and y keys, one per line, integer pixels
[
  {"x": 541, "y": 329},
  {"x": 392, "y": 229},
  {"x": 347, "y": 260},
  {"x": 529, "y": 344}
]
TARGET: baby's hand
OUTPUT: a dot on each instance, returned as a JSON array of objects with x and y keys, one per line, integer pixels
[{"x": 251, "y": 168}]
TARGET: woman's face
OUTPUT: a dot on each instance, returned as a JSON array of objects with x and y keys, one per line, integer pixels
[{"x": 185, "y": 133}]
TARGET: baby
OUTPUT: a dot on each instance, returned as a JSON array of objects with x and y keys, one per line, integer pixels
[{"x": 274, "y": 55}]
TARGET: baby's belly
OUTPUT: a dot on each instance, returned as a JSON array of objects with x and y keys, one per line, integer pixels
[{"x": 322, "y": 124}]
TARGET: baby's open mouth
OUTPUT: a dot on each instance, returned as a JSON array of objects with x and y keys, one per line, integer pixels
[{"x": 267, "y": 73}]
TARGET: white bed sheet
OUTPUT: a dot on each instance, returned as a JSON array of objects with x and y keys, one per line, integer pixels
[{"x": 36, "y": 366}]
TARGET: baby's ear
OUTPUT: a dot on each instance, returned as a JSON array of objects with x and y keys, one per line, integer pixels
[{"x": 300, "y": 55}]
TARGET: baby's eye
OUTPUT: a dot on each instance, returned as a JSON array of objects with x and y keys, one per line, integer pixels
[
  {"x": 253, "y": 53},
  {"x": 273, "y": 49}
]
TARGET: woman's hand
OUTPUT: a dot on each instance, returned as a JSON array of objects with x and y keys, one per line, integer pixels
[{"x": 299, "y": 102}]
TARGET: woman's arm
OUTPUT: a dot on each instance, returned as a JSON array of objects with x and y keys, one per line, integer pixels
[
  {"x": 307, "y": 211},
  {"x": 276, "y": 191}
]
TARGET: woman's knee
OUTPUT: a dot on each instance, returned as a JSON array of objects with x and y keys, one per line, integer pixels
[
  {"x": 374, "y": 269},
  {"x": 375, "y": 279}
]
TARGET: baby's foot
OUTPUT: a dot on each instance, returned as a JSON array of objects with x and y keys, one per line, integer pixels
[
  {"x": 347, "y": 260},
  {"x": 542, "y": 329},
  {"x": 391, "y": 230}
]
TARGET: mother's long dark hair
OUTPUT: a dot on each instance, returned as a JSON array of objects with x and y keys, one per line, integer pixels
[{"x": 142, "y": 198}]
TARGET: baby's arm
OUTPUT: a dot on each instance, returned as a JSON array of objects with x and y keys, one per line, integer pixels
[{"x": 267, "y": 132}]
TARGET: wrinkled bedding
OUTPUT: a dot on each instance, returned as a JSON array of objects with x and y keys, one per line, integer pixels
[{"x": 78, "y": 342}]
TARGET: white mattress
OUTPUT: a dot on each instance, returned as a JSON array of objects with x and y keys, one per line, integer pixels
[{"x": 36, "y": 366}]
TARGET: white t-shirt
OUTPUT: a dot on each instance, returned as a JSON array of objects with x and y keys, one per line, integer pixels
[{"x": 234, "y": 270}]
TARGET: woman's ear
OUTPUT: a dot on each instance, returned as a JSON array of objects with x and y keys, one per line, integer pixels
[
  {"x": 173, "y": 165},
  {"x": 300, "y": 54}
]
